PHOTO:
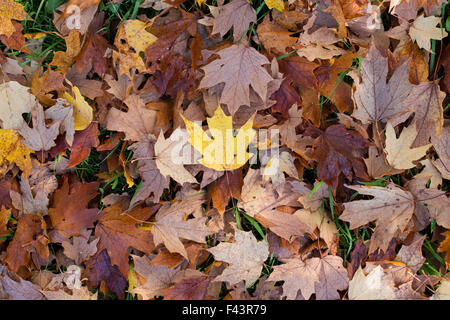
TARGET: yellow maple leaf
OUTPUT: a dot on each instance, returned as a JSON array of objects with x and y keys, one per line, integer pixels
[
  {"x": 9, "y": 9},
  {"x": 132, "y": 38},
  {"x": 277, "y": 4},
  {"x": 13, "y": 151},
  {"x": 222, "y": 149},
  {"x": 82, "y": 111}
]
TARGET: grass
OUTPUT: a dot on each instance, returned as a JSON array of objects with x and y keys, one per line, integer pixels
[{"x": 41, "y": 20}]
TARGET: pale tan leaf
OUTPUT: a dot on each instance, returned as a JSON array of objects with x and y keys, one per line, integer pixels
[
  {"x": 239, "y": 67},
  {"x": 245, "y": 258},
  {"x": 237, "y": 14},
  {"x": 400, "y": 155},
  {"x": 15, "y": 99},
  {"x": 424, "y": 29},
  {"x": 375, "y": 98},
  {"x": 166, "y": 157},
  {"x": 170, "y": 225},
  {"x": 391, "y": 207}
]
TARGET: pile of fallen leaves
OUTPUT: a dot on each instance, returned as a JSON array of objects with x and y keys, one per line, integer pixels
[{"x": 358, "y": 93}]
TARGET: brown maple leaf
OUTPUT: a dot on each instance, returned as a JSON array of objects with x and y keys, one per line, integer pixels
[
  {"x": 93, "y": 53},
  {"x": 138, "y": 121},
  {"x": 377, "y": 99},
  {"x": 391, "y": 207},
  {"x": 170, "y": 225},
  {"x": 225, "y": 187},
  {"x": 29, "y": 237},
  {"x": 170, "y": 35},
  {"x": 118, "y": 231},
  {"x": 339, "y": 150},
  {"x": 69, "y": 213},
  {"x": 261, "y": 200},
  {"x": 188, "y": 289},
  {"x": 99, "y": 269},
  {"x": 237, "y": 14},
  {"x": 322, "y": 276},
  {"x": 82, "y": 143},
  {"x": 239, "y": 67}
]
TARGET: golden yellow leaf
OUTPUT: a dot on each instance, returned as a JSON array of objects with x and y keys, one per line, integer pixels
[
  {"x": 35, "y": 35},
  {"x": 132, "y": 281},
  {"x": 9, "y": 9},
  {"x": 64, "y": 60},
  {"x": 223, "y": 150},
  {"x": 13, "y": 151},
  {"x": 199, "y": 2},
  {"x": 82, "y": 111},
  {"x": 277, "y": 4},
  {"x": 131, "y": 40}
]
